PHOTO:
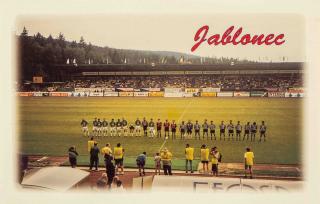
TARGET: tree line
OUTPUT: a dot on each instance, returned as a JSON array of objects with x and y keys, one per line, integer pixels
[{"x": 37, "y": 55}]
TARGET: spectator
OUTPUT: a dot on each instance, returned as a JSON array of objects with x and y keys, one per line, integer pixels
[
  {"x": 94, "y": 156},
  {"x": 110, "y": 170},
  {"x": 73, "y": 154},
  {"x": 248, "y": 162},
  {"x": 102, "y": 181},
  {"x": 166, "y": 157},
  {"x": 157, "y": 163},
  {"x": 141, "y": 161}
]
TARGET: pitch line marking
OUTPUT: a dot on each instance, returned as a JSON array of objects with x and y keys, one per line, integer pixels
[{"x": 184, "y": 111}]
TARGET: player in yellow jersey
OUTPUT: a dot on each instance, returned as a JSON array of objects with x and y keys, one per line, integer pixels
[
  {"x": 90, "y": 144},
  {"x": 118, "y": 153},
  {"x": 189, "y": 152},
  {"x": 204, "y": 154},
  {"x": 248, "y": 162}
]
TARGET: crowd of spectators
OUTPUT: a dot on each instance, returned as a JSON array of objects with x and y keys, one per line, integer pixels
[{"x": 225, "y": 82}]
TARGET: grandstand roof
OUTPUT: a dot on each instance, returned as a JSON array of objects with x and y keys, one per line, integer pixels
[{"x": 182, "y": 67}]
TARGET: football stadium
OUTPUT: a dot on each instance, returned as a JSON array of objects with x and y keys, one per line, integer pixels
[
  {"x": 105, "y": 118},
  {"x": 50, "y": 114}
]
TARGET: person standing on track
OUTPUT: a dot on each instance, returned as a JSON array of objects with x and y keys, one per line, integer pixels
[
  {"x": 90, "y": 143},
  {"x": 166, "y": 157},
  {"x": 73, "y": 154},
  {"x": 110, "y": 170},
  {"x": 107, "y": 153},
  {"x": 215, "y": 160},
  {"x": 248, "y": 162},
  {"x": 189, "y": 152},
  {"x": 157, "y": 163},
  {"x": 204, "y": 154},
  {"x": 118, "y": 158},
  {"x": 94, "y": 157},
  {"x": 141, "y": 161}
]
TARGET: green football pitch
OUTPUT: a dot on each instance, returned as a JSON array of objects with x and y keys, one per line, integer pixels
[{"x": 50, "y": 125}]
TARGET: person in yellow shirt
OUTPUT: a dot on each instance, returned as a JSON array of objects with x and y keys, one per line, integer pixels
[
  {"x": 189, "y": 152},
  {"x": 166, "y": 157},
  {"x": 204, "y": 154},
  {"x": 215, "y": 160},
  {"x": 248, "y": 162},
  {"x": 90, "y": 144},
  {"x": 107, "y": 153},
  {"x": 118, "y": 153}
]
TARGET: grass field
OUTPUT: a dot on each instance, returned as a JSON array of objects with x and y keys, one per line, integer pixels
[{"x": 49, "y": 125}]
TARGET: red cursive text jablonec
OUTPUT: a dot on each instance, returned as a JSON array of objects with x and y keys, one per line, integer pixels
[{"x": 237, "y": 38}]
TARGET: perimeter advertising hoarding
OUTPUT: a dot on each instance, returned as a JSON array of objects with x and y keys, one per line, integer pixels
[
  {"x": 191, "y": 90},
  {"x": 124, "y": 89},
  {"x": 125, "y": 94},
  {"x": 241, "y": 94},
  {"x": 60, "y": 94},
  {"x": 177, "y": 94},
  {"x": 141, "y": 94},
  {"x": 293, "y": 95},
  {"x": 187, "y": 95},
  {"x": 40, "y": 94},
  {"x": 110, "y": 94},
  {"x": 210, "y": 89},
  {"x": 80, "y": 94},
  {"x": 276, "y": 94},
  {"x": 156, "y": 94},
  {"x": 214, "y": 184},
  {"x": 225, "y": 94},
  {"x": 296, "y": 90},
  {"x": 24, "y": 94},
  {"x": 151, "y": 89},
  {"x": 96, "y": 94},
  {"x": 172, "y": 90},
  {"x": 98, "y": 89},
  {"x": 209, "y": 94},
  {"x": 258, "y": 94}
]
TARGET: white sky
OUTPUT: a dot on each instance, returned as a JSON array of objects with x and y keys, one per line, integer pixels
[{"x": 176, "y": 32}]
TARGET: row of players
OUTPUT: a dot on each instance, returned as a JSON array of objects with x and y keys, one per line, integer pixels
[{"x": 118, "y": 128}]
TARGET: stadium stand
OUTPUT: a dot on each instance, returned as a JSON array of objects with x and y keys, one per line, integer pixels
[{"x": 263, "y": 76}]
